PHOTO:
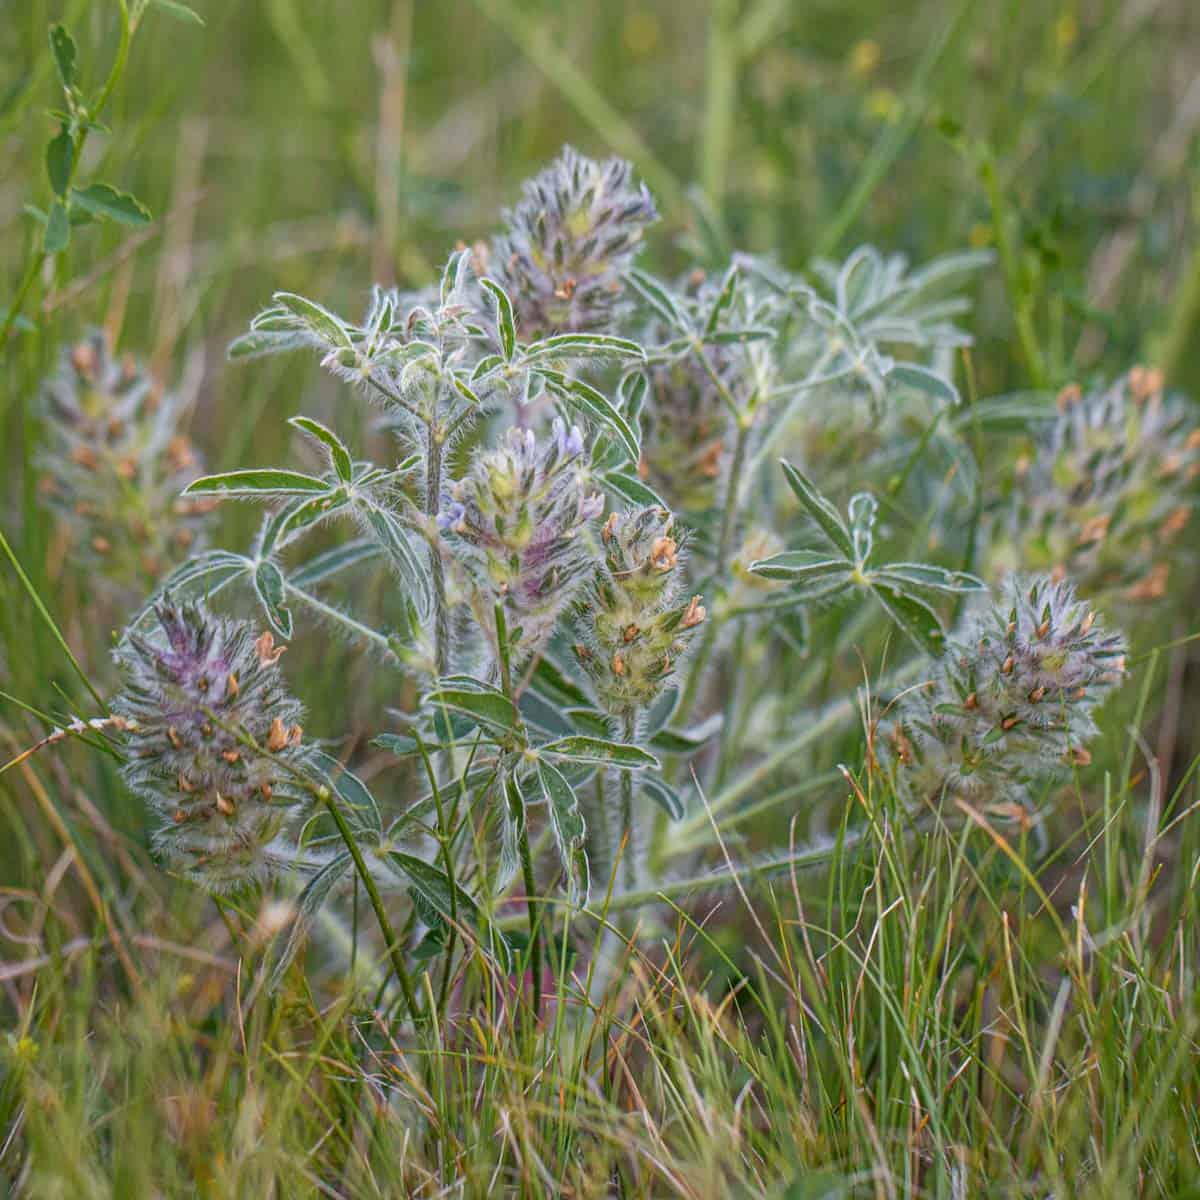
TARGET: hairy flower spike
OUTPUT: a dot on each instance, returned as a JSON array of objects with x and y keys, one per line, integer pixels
[
  {"x": 691, "y": 427},
  {"x": 633, "y": 630},
  {"x": 1112, "y": 486},
  {"x": 114, "y": 463},
  {"x": 199, "y": 696},
  {"x": 517, "y": 522},
  {"x": 1011, "y": 700},
  {"x": 578, "y": 226}
]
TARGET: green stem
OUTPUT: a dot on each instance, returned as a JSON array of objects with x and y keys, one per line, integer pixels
[
  {"x": 385, "y": 926},
  {"x": 629, "y": 867},
  {"x": 433, "y": 491},
  {"x": 516, "y": 810}
]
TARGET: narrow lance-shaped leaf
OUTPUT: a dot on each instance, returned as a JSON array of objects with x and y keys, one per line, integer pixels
[
  {"x": 256, "y": 483},
  {"x": 598, "y": 752},
  {"x": 913, "y": 616},
  {"x": 488, "y": 708},
  {"x": 60, "y": 158},
  {"x": 62, "y": 46},
  {"x": 268, "y": 584},
  {"x": 339, "y": 456},
  {"x": 309, "y": 902},
  {"x": 828, "y": 519},
  {"x": 582, "y": 397},
  {"x": 567, "y": 824},
  {"x": 505, "y": 321},
  {"x": 326, "y": 325}
]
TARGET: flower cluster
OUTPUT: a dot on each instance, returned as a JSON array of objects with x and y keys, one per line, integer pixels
[
  {"x": 516, "y": 522},
  {"x": 213, "y": 732},
  {"x": 1011, "y": 700},
  {"x": 696, "y": 397},
  {"x": 577, "y": 228},
  {"x": 632, "y": 632},
  {"x": 114, "y": 463},
  {"x": 1111, "y": 487}
]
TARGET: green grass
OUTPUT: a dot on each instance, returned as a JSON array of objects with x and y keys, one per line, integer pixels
[{"x": 947, "y": 1004}]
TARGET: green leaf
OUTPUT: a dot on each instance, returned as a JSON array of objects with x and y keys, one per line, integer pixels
[
  {"x": 665, "y": 796},
  {"x": 434, "y": 890},
  {"x": 488, "y": 708},
  {"x": 600, "y": 752},
  {"x": 922, "y": 379},
  {"x": 180, "y": 11},
  {"x": 326, "y": 325},
  {"x": 863, "y": 510},
  {"x": 62, "y": 46},
  {"x": 504, "y": 317},
  {"x": 822, "y": 512},
  {"x": 913, "y": 616},
  {"x": 658, "y": 297},
  {"x": 584, "y": 345},
  {"x": 256, "y": 482},
  {"x": 582, "y": 397},
  {"x": 107, "y": 203},
  {"x": 723, "y": 301},
  {"x": 926, "y": 576},
  {"x": 395, "y": 542},
  {"x": 268, "y": 583},
  {"x": 363, "y": 809},
  {"x": 688, "y": 741},
  {"x": 258, "y": 343},
  {"x": 339, "y": 456},
  {"x": 309, "y": 902},
  {"x": 629, "y": 488},
  {"x": 334, "y": 561},
  {"x": 567, "y": 824},
  {"x": 796, "y": 566},
  {"x": 57, "y": 234},
  {"x": 60, "y": 157}
]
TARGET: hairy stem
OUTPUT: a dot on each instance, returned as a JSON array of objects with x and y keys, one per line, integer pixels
[
  {"x": 433, "y": 491},
  {"x": 629, "y": 866}
]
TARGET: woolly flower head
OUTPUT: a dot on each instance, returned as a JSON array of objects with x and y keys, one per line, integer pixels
[
  {"x": 690, "y": 434},
  {"x": 194, "y": 691},
  {"x": 517, "y": 522},
  {"x": 1011, "y": 700},
  {"x": 114, "y": 463},
  {"x": 578, "y": 226},
  {"x": 632, "y": 630},
  {"x": 1111, "y": 487}
]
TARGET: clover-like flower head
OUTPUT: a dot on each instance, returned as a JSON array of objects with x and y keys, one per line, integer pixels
[
  {"x": 632, "y": 628},
  {"x": 1110, "y": 491},
  {"x": 1011, "y": 701},
  {"x": 578, "y": 226},
  {"x": 212, "y": 732},
  {"x": 114, "y": 461},
  {"x": 517, "y": 521}
]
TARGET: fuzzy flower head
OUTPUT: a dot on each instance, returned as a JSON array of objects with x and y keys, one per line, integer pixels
[
  {"x": 114, "y": 462},
  {"x": 196, "y": 692},
  {"x": 632, "y": 629},
  {"x": 578, "y": 226},
  {"x": 517, "y": 522},
  {"x": 1110, "y": 492},
  {"x": 692, "y": 399},
  {"x": 1011, "y": 701}
]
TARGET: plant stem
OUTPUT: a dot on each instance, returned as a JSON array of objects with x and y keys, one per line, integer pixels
[
  {"x": 433, "y": 492},
  {"x": 325, "y": 795},
  {"x": 516, "y": 811},
  {"x": 629, "y": 868}
]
